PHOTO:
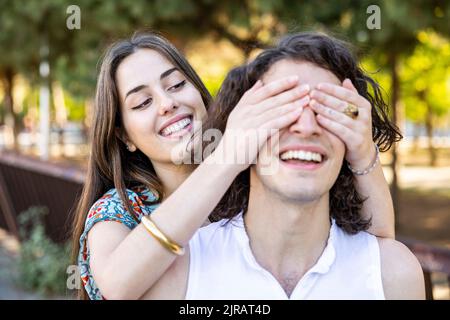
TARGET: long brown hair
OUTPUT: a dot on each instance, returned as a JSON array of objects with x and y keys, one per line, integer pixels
[
  {"x": 328, "y": 53},
  {"x": 111, "y": 165}
]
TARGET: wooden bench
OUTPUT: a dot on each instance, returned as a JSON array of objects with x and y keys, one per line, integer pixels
[{"x": 432, "y": 259}]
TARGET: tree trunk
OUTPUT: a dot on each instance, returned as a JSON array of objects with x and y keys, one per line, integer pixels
[
  {"x": 416, "y": 133},
  {"x": 44, "y": 104},
  {"x": 395, "y": 192},
  {"x": 422, "y": 95},
  {"x": 429, "y": 126},
  {"x": 10, "y": 116}
]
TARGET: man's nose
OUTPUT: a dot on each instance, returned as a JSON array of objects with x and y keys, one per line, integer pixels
[
  {"x": 166, "y": 103},
  {"x": 306, "y": 125}
]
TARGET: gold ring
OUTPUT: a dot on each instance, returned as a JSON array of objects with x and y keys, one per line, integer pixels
[{"x": 351, "y": 111}]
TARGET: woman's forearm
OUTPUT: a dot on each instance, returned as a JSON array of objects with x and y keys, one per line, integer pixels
[
  {"x": 139, "y": 260},
  {"x": 378, "y": 205}
]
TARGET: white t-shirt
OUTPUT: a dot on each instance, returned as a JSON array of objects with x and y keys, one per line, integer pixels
[{"x": 222, "y": 266}]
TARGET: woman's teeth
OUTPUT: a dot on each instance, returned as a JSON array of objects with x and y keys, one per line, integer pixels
[
  {"x": 177, "y": 126},
  {"x": 301, "y": 155}
]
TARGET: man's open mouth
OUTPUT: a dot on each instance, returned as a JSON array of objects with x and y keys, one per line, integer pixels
[
  {"x": 174, "y": 128},
  {"x": 301, "y": 156}
]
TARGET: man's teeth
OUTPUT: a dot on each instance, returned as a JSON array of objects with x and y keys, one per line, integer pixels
[
  {"x": 301, "y": 155},
  {"x": 177, "y": 126}
]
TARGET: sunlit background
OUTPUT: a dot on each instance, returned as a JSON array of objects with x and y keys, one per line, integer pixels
[{"x": 49, "y": 53}]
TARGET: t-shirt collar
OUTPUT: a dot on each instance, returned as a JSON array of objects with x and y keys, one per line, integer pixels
[{"x": 322, "y": 265}]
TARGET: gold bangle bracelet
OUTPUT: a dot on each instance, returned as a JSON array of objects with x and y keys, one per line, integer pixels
[{"x": 161, "y": 237}]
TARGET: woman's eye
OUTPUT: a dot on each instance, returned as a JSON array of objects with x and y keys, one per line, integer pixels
[
  {"x": 143, "y": 104},
  {"x": 178, "y": 85}
]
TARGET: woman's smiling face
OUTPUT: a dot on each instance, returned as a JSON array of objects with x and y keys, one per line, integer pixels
[{"x": 158, "y": 105}]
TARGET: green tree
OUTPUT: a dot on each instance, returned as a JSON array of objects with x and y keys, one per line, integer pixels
[
  {"x": 396, "y": 39},
  {"x": 28, "y": 31},
  {"x": 424, "y": 86}
]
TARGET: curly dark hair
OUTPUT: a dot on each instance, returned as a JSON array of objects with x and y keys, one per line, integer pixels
[{"x": 328, "y": 53}]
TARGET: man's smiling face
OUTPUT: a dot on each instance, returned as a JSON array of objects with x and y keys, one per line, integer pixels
[{"x": 307, "y": 157}]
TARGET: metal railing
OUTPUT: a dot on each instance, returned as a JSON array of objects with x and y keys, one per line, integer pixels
[{"x": 26, "y": 182}]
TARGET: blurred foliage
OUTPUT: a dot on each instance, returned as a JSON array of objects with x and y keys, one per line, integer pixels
[
  {"x": 426, "y": 78},
  {"x": 28, "y": 26},
  {"x": 75, "y": 108},
  {"x": 42, "y": 264}
]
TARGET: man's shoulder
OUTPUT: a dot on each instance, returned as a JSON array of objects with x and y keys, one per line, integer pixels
[{"x": 401, "y": 271}]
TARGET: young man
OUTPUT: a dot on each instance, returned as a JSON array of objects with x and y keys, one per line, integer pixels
[{"x": 297, "y": 232}]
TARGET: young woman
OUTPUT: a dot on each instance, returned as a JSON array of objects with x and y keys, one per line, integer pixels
[{"x": 148, "y": 102}]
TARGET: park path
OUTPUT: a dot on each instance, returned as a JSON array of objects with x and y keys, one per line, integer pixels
[{"x": 422, "y": 178}]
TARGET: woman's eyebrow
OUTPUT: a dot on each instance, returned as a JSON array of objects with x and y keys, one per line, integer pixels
[
  {"x": 167, "y": 73},
  {"x": 142, "y": 86},
  {"x": 136, "y": 89}
]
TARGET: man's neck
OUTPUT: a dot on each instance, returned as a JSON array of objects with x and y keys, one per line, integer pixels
[{"x": 286, "y": 237}]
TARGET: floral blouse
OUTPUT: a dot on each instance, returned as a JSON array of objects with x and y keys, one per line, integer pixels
[{"x": 111, "y": 208}]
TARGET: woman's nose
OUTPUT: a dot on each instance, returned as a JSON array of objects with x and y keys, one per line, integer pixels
[{"x": 166, "y": 103}]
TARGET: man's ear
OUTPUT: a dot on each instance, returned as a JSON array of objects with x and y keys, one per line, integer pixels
[{"x": 121, "y": 135}]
